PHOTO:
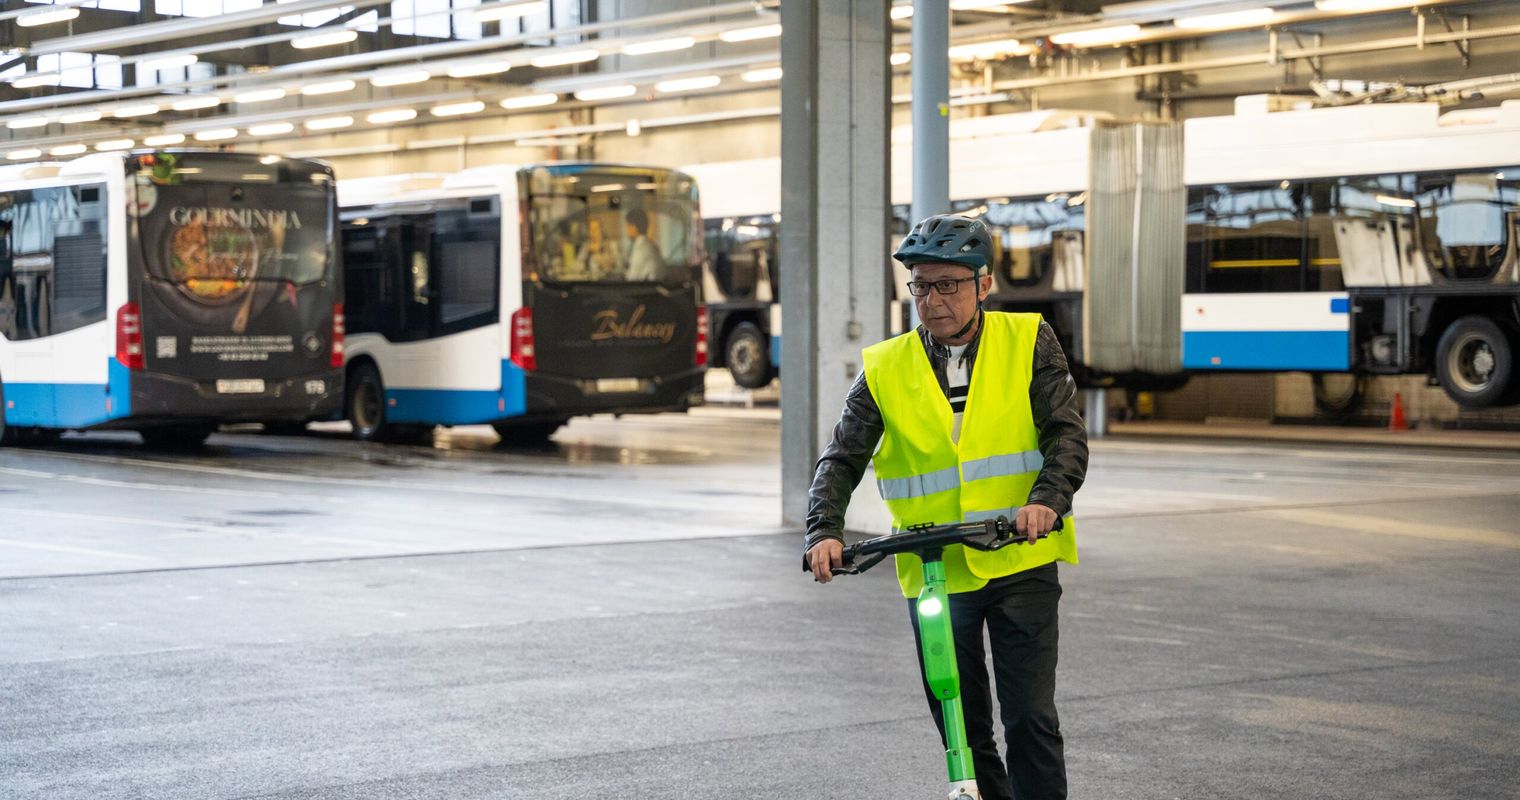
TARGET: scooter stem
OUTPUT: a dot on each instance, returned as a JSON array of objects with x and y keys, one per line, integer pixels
[{"x": 942, "y": 673}]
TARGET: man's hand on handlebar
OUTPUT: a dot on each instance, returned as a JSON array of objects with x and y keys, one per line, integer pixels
[
  {"x": 1035, "y": 521},
  {"x": 824, "y": 557}
]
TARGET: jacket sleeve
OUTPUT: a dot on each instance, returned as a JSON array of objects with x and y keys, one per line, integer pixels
[
  {"x": 1057, "y": 415},
  {"x": 843, "y": 464}
]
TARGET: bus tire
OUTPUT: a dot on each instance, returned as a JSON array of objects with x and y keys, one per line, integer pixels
[
  {"x": 747, "y": 354},
  {"x": 177, "y": 437},
  {"x": 527, "y": 434},
  {"x": 364, "y": 402},
  {"x": 1474, "y": 362}
]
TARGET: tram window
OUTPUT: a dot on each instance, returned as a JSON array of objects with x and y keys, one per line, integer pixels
[
  {"x": 1197, "y": 240},
  {"x": 27, "y": 218},
  {"x": 1465, "y": 221},
  {"x": 1322, "y": 251},
  {"x": 1033, "y": 237},
  {"x": 1253, "y": 238},
  {"x": 79, "y": 288}
]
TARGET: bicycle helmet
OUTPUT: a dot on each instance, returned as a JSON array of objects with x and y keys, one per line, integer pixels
[{"x": 947, "y": 239}]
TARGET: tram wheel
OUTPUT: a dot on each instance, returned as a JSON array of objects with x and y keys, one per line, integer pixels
[
  {"x": 1474, "y": 362},
  {"x": 748, "y": 356}
]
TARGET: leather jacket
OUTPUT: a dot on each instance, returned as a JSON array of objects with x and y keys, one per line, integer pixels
[{"x": 1052, "y": 398}]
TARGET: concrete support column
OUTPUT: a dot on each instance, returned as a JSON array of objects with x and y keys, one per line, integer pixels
[{"x": 835, "y": 205}]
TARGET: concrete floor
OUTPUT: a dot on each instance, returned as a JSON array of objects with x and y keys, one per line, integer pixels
[{"x": 620, "y": 616}]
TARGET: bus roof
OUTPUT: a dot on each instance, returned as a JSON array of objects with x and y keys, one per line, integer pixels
[{"x": 1349, "y": 140}]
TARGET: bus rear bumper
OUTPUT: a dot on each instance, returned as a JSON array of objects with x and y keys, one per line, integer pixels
[
  {"x": 166, "y": 398},
  {"x": 554, "y": 396}
]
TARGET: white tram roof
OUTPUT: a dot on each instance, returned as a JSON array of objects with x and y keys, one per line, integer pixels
[
  {"x": 1004, "y": 155},
  {"x": 1349, "y": 140}
]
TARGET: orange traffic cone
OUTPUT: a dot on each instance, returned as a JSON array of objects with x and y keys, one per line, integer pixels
[{"x": 1396, "y": 421}]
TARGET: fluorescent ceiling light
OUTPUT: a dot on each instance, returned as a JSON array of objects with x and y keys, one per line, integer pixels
[
  {"x": 67, "y": 150},
  {"x": 1097, "y": 36},
  {"x": 565, "y": 58},
  {"x": 32, "y": 81},
  {"x": 1245, "y": 18},
  {"x": 400, "y": 77},
  {"x": 27, "y": 122},
  {"x": 327, "y": 87},
  {"x": 271, "y": 129},
  {"x": 139, "y": 110},
  {"x": 1396, "y": 202},
  {"x": 196, "y": 103},
  {"x": 1362, "y": 5},
  {"x": 458, "y": 109},
  {"x": 751, "y": 34},
  {"x": 328, "y": 123},
  {"x": 984, "y": 51},
  {"x": 391, "y": 115},
  {"x": 687, "y": 84},
  {"x": 977, "y": 5},
  {"x": 761, "y": 75},
  {"x": 902, "y": 12},
  {"x": 260, "y": 96},
  {"x": 216, "y": 135},
  {"x": 46, "y": 16},
  {"x": 517, "y": 11},
  {"x": 24, "y": 155},
  {"x": 531, "y": 100},
  {"x": 900, "y": 58},
  {"x": 91, "y": 115},
  {"x": 607, "y": 92},
  {"x": 660, "y": 46},
  {"x": 169, "y": 62},
  {"x": 328, "y": 39},
  {"x": 164, "y": 140},
  {"x": 114, "y": 144},
  {"x": 480, "y": 68}
]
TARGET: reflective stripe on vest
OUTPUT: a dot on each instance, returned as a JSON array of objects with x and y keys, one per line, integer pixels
[{"x": 926, "y": 477}]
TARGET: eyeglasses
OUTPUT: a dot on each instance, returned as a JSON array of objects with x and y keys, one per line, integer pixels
[{"x": 947, "y": 286}]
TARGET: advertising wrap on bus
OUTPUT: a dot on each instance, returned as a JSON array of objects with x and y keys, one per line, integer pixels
[{"x": 235, "y": 281}]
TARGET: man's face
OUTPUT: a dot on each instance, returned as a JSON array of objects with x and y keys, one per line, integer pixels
[
  {"x": 630, "y": 230},
  {"x": 945, "y": 314}
]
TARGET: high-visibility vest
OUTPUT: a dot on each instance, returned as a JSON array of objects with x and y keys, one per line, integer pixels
[{"x": 925, "y": 477}]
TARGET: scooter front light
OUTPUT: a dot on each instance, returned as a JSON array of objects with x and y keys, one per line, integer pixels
[{"x": 930, "y": 607}]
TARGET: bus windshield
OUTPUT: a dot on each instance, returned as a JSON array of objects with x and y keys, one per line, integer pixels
[
  {"x": 213, "y": 227},
  {"x": 611, "y": 225}
]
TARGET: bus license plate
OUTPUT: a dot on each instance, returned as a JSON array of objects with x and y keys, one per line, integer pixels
[
  {"x": 616, "y": 385},
  {"x": 240, "y": 386}
]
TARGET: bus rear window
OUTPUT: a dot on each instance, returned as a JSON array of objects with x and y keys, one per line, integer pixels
[{"x": 611, "y": 226}]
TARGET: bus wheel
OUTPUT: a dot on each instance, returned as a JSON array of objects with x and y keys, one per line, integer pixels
[
  {"x": 365, "y": 404},
  {"x": 527, "y": 434},
  {"x": 1474, "y": 362},
  {"x": 176, "y": 437},
  {"x": 748, "y": 356}
]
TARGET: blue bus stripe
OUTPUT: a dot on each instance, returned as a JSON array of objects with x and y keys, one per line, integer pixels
[
  {"x": 460, "y": 406},
  {"x": 1267, "y": 350}
]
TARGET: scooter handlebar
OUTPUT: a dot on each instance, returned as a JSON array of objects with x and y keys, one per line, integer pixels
[{"x": 987, "y": 535}]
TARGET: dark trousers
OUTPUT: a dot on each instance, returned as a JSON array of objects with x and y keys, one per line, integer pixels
[{"x": 1019, "y": 614}]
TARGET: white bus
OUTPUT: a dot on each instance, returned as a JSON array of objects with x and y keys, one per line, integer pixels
[
  {"x": 520, "y": 296},
  {"x": 167, "y": 292}
]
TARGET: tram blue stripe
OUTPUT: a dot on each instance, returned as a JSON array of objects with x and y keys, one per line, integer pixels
[{"x": 1267, "y": 350}]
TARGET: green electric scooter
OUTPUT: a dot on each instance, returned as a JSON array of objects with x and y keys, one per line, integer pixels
[{"x": 940, "y": 669}]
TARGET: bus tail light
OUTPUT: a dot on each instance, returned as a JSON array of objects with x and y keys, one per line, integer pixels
[
  {"x": 701, "y": 359},
  {"x": 129, "y": 338},
  {"x": 523, "y": 353},
  {"x": 339, "y": 332}
]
